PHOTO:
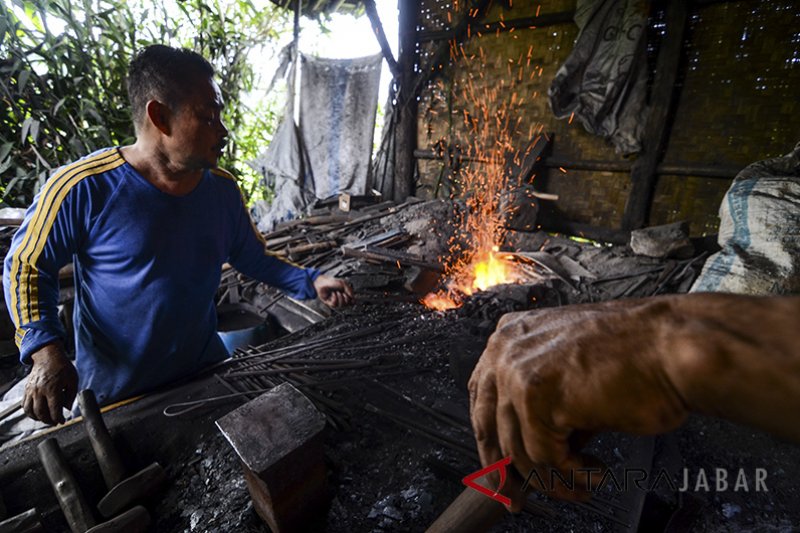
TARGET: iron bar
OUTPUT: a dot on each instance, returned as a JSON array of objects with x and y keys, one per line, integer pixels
[
  {"x": 308, "y": 368},
  {"x": 457, "y": 424},
  {"x": 427, "y": 432}
]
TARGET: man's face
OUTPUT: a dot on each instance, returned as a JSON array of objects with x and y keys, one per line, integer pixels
[{"x": 198, "y": 136}]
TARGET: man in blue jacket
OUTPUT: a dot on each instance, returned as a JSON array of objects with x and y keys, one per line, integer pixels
[{"x": 148, "y": 228}]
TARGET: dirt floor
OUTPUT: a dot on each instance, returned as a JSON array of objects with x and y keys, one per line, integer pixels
[
  {"x": 398, "y": 440},
  {"x": 386, "y": 477}
]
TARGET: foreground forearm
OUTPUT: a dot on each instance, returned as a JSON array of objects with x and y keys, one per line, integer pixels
[{"x": 739, "y": 358}]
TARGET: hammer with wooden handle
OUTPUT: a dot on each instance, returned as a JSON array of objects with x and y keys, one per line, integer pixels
[
  {"x": 122, "y": 491},
  {"x": 70, "y": 497}
]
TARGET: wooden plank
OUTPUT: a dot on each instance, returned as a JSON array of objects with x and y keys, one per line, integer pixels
[{"x": 656, "y": 134}]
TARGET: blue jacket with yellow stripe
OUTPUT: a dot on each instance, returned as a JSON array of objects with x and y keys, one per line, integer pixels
[{"x": 147, "y": 266}]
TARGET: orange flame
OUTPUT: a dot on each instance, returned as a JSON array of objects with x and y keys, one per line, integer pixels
[
  {"x": 484, "y": 271},
  {"x": 490, "y": 271}
]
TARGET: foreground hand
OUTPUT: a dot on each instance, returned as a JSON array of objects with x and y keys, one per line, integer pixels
[
  {"x": 52, "y": 385},
  {"x": 549, "y": 379},
  {"x": 333, "y": 291}
]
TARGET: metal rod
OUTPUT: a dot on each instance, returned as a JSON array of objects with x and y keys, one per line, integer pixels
[
  {"x": 427, "y": 432},
  {"x": 286, "y": 351},
  {"x": 422, "y": 407},
  {"x": 309, "y": 368}
]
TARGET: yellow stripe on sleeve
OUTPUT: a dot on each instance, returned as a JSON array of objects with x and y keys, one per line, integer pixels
[{"x": 24, "y": 274}]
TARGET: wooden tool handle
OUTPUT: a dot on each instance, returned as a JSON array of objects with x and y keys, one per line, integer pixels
[
  {"x": 69, "y": 494},
  {"x": 27, "y": 522},
  {"x": 470, "y": 512},
  {"x": 107, "y": 456}
]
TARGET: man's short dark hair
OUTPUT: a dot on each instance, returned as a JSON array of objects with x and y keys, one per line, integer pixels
[{"x": 165, "y": 74}]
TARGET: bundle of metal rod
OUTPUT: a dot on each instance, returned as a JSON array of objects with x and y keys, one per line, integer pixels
[
  {"x": 259, "y": 380},
  {"x": 256, "y": 356}
]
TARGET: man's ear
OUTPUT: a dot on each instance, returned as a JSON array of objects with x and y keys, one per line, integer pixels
[{"x": 159, "y": 115}]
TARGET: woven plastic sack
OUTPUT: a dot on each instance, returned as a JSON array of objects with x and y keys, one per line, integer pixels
[{"x": 759, "y": 232}]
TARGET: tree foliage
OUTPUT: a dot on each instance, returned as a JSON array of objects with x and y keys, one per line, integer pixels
[{"x": 62, "y": 77}]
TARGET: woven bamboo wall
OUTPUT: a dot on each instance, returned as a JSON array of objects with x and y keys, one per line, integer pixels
[{"x": 737, "y": 105}]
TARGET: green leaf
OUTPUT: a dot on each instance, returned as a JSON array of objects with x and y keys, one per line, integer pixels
[
  {"x": 32, "y": 13},
  {"x": 58, "y": 105},
  {"x": 5, "y": 149},
  {"x": 10, "y": 186},
  {"x": 34, "y": 130},
  {"x": 26, "y": 124},
  {"x": 22, "y": 80}
]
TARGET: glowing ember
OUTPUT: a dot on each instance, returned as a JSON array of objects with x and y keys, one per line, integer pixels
[{"x": 439, "y": 302}]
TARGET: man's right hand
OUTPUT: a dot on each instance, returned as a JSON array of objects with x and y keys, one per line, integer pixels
[
  {"x": 52, "y": 385},
  {"x": 551, "y": 378}
]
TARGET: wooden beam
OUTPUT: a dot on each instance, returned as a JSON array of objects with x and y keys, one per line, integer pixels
[
  {"x": 547, "y": 19},
  {"x": 643, "y": 173},
  {"x": 377, "y": 27},
  {"x": 718, "y": 172},
  {"x": 725, "y": 172}
]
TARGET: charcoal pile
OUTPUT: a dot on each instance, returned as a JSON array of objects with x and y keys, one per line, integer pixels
[{"x": 398, "y": 440}]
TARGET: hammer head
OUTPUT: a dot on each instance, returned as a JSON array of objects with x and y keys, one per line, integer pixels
[
  {"x": 132, "y": 489},
  {"x": 278, "y": 438},
  {"x": 134, "y": 520}
]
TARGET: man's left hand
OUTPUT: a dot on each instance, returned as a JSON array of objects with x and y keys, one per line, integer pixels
[{"x": 333, "y": 292}]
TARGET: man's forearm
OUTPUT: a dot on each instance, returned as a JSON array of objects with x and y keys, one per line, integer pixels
[{"x": 738, "y": 357}]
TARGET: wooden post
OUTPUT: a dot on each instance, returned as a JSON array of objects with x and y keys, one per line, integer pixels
[
  {"x": 406, "y": 131},
  {"x": 656, "y": 133}
]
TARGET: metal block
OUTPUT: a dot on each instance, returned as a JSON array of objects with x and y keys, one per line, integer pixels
[{"x": 278, "y": 438}]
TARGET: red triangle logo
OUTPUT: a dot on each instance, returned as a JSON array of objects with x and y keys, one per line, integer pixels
[{"x": 500, "y": 465}]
